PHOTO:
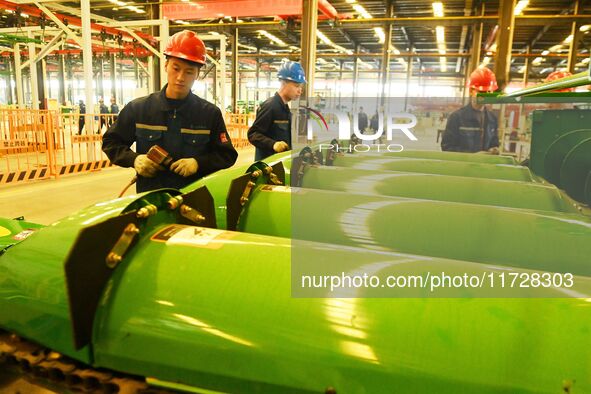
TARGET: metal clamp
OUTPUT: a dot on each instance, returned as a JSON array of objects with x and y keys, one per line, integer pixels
[{"x": 122, "y": 245}]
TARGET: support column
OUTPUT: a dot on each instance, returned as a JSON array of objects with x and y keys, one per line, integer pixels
[
  {"x": 121, "y": 80},
  {"x": 33, "y": 74},
  {"x": 385, "y": 72},
  {"x": 42, "y": 84},
  {"x": 61, "y": 77},
  {"x": 408, "y": 76},
  {"x": 476, "y": 44},
  {"x": 356, "y": 76},
  {"x": 164, "y": 37},
  {"x": 258, "y": 78},
  {"x": 154, "y": 14},
  {"x": 574, "y": 45},
  {"x": 151, "y": 60},
  {"x": 101, "y": 87},
  {"x": 222, "y": 96},
  {"x": 112, "y": 70},
  {"x": 526, "y": 68},
  {"x": 309, "y": 26},
  {"x": 504, "y": 42},
  {"x": 235, "y": 81},
  {"x": 11, "y": 99},
  {"x": 87, "y": 56},
  {"x": 18, "y": 72}
]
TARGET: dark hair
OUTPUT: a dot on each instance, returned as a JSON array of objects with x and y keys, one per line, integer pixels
[{"x": 194, "y": 64}]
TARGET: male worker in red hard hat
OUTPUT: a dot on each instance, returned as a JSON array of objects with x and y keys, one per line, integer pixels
[
  {"x": 189, "y": 128},
  {"x": 473, "y": 128},
  {"x": 271, "y": 131},
  {"x": 554, "y": 75}
]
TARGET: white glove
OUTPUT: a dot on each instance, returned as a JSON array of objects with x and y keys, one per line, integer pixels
[
  {"x": 146, "y": 167},
  {"x": 185, "y": 167},
  {"x": 280, "y": 146}
]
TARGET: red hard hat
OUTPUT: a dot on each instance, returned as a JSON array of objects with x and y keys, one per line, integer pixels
[
  {"x": 187, "y": 46},
  {"x": 483, "y": 80},
  {"x": 554, "y": 75}
]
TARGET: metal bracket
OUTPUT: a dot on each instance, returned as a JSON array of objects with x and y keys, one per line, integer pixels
[
  {"x": 122, "y": 245},
  {"x": 89, "y": 267},
  {"x": 197, "y": 208}
]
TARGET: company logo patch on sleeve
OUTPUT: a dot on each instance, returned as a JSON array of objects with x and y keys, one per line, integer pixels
[{"x": 224, "y": 138}]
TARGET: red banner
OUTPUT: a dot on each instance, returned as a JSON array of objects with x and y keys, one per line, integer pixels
[{"x": 234, "y": 8}]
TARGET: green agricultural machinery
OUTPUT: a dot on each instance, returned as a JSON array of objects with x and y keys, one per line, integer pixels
[{"x": 275, "y": 277}]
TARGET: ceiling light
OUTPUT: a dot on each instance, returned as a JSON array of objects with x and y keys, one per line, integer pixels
[
  {"x": 359, "y": 8},
  {"x": 272, "y": 38},
  {"x": 520, "y": 7},
  {"x": 381, "y": 34},
  {"x": 568, "y": 39},
  {"x": 438, "y": 9},
  {"x": 585, "y": 28},
  {"x": 440, "y": 33},
  {"x": 544, "y": 53}
]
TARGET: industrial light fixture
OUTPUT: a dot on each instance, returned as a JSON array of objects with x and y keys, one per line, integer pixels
[
  {"x": 438, "y": 9},
  {"x": 520, "y": 7},
  {"x": 440, "y": 35},
  {"x": 544, "y": 53},
  {"x": 568, "y": 39},
  {"x": 329, "y": 42},
  {"x": 537, "y": 61},
  {"x": 359, "y": 8},
  {"x": 379, "y": 31},
  {"x": 585, "y": 28},
  {"x": 272, "y": 38}
]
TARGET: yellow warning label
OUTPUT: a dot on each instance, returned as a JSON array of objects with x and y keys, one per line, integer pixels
[
  {"x": 4, "y": 231},
  {"x": 178, "y": 234}
]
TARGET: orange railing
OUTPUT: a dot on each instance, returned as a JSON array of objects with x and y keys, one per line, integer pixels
[
  {"x": 237, "y": 126},
  {"x": 39, "y": 144}
]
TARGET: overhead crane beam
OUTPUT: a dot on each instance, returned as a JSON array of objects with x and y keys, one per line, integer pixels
[{"x": 72, "y": 20}]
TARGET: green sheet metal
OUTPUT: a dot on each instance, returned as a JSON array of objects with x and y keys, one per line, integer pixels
[
  {"x": 451, "y": 156},
  {"x": 574, "y": 169},
  {"x": 439, "y": 187},
  {"x": 442, "y": 167},
  {"x": 558, "y": 151},
  {"x": 485, "y": 234},
  {"x": 215, "y": 312},
  {"x": 12, "y": 231}
]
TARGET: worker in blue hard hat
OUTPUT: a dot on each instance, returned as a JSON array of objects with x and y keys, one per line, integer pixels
[{"x": 271, "y": 130}]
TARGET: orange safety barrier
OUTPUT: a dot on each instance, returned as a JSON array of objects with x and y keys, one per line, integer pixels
[
  {"x": 39, "y": 144},
  {"x": 27, "y": 145},
  {"x": 237, "y": 126},
  {"x": 80, "y": 139}
]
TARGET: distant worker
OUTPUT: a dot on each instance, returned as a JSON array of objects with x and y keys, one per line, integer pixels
[
  {"x": 554, "y": 75},
  {"x": 114, "y": 110},
  {"x": 82, "y": 116},
  {"x": 473, "y": 128},
  {"x": 271, "y": 131},
  {"x": 104, "y": 110},
  {"x": 189, "y": 128},
  {"x": 362, "y": 122}
]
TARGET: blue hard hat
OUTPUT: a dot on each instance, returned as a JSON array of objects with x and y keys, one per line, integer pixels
[{"x": 292, "y": 71}]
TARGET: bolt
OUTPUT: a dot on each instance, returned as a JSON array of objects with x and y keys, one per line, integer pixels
[
  {"x": 174, "y": 202},
  {"x": 113, "y": 259}
]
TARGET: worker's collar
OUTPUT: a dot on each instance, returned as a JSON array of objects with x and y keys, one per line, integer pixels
[
  {"x": 283, "y": 103},
  {"x": 166, "y": 105}
]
